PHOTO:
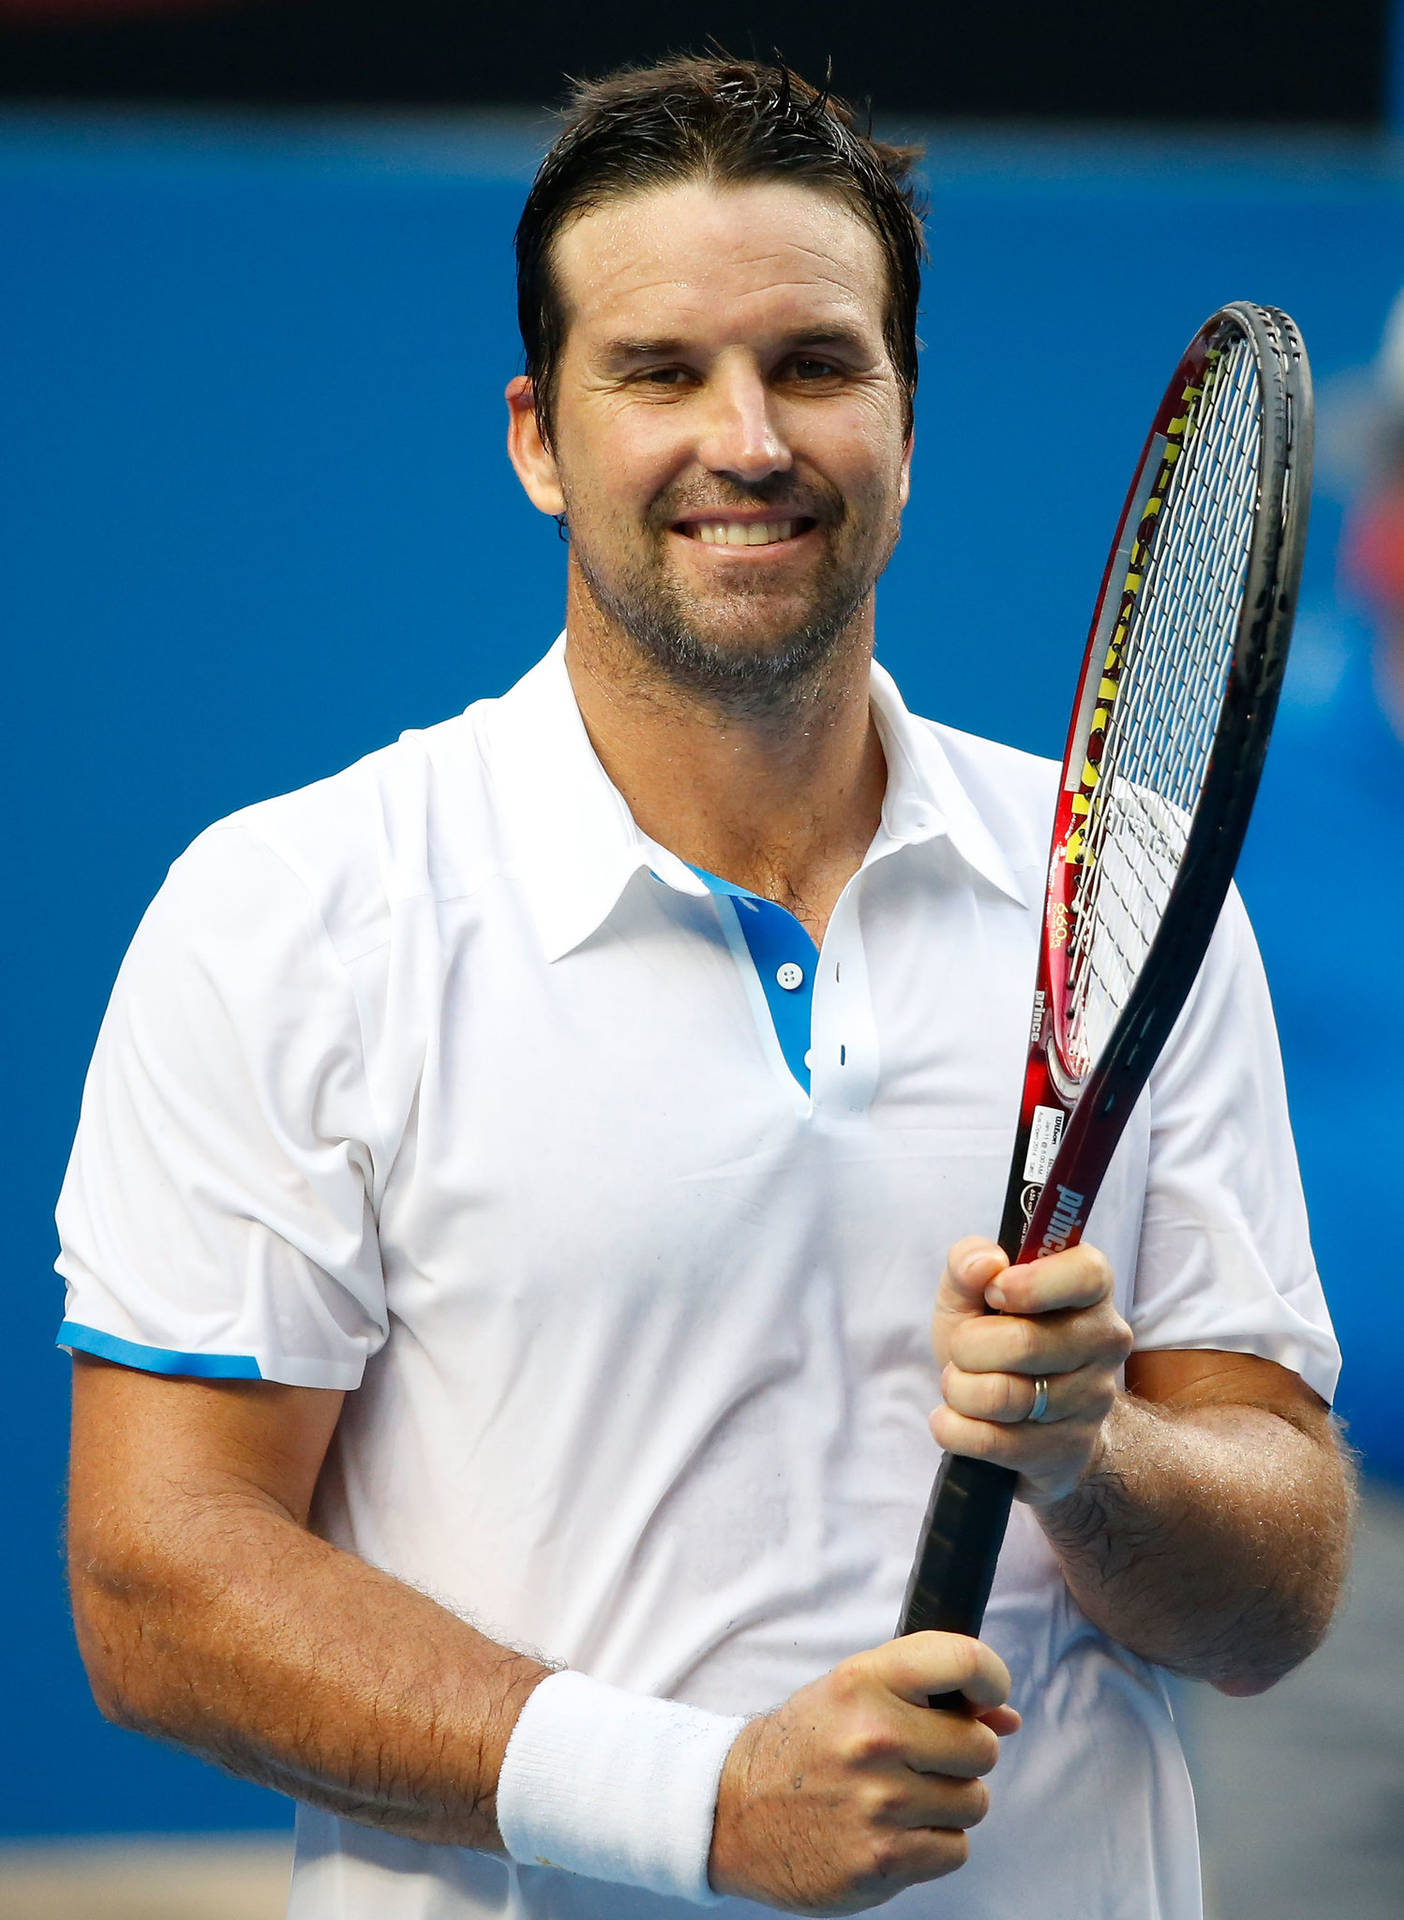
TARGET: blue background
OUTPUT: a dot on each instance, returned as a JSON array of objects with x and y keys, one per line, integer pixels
[{"x": 257, "y": 519}]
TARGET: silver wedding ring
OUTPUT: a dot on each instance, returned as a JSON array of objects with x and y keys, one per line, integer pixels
[{"x": 1040, "y": 1400}]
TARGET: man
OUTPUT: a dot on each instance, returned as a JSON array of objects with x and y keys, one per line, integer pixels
[{"x": 504, "y": 1211}]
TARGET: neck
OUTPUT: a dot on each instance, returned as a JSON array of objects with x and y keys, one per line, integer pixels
[{"x": 780, "y": 797}]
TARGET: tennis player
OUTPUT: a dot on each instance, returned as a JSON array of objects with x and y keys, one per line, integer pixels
[{"x": 508, "y": 1204}]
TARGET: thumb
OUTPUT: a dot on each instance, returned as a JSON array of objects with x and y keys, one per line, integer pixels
[{"x": 971, "y": 1265}]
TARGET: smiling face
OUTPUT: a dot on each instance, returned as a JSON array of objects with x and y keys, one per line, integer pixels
[{"x": 729, "y": 437}]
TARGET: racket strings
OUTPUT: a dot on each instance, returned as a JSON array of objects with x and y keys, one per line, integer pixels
[{"x": 1178, "y": 649}]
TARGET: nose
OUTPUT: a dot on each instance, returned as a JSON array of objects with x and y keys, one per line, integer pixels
[{"x": 740, "y": 434}]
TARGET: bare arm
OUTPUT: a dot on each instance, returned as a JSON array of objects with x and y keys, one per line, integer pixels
[
  {"x": 1212, "y": 1532},
  {"x": 1202, "y": 1517},
  {"x": 208, "y": 1614}
]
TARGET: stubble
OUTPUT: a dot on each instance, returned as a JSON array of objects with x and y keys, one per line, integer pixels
[{"x": 729, "y": 649}]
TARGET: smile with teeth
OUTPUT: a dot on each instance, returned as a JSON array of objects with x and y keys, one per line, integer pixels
[{"x": 743, "y": 533}]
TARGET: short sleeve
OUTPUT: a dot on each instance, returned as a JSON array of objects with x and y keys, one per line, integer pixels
[
  {"x": 1225, "y": 1254},
  {"x": 216, "y": 1218}
]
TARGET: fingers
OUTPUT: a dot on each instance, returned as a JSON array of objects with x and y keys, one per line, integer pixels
[
  {"x": 1004, "y": 1398},
  {"x": 1056, "y": 1320},
  {"x": 971, "y": 1266},
  {"x": 1079, "y": 1277},
  {"x": 1050, "y": 1458},
  {"x": 885, "y": 1697},
  {"x": 978, "y": 1277},
  {"x": 935, "y": 1803},
  {"x": 922, "y": 1664},
  {"x": 1009, "y": 1399},
  {"x": 1053, "y": 1324},
  {"x": 1002, "y": 1720},
  {"x": 990, "y": 1377},
  {"x": 855, "y": 1788},
  {"x": 1030, "y": 1319}
]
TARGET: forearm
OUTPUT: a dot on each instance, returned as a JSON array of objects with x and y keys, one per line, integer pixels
[
  {"x": 1211, "y": 1540},
  {"x": 247, "y": 1640}
]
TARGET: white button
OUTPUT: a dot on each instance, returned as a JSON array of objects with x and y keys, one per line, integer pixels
[
  {"x": 809, "y": 1056},
  {"x": 789, "y": 976}
]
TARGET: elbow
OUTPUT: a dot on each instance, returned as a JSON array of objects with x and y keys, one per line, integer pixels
[
  {"x": 1257, "y": 1672},
  {"x": 1285, "y": 1621},
  {"x": 1245, "y": 1686},
  {"x": 1277, "y": 1646},
  {"x": 112, "y": 1703},
  {"x": 108, "y": 1628},
  {"x": 1269, "y": 1659},
  {"x": 102, "y": 1661},
  {"x": 1253, "y": 1677}
]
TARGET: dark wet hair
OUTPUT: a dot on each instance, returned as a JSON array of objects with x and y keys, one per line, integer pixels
[{"x": 715, "y": 118}]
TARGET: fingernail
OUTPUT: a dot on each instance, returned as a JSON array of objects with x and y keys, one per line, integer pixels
[{"x": 995, "y": 1296}]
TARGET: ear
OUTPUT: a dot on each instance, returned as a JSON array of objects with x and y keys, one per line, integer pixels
[
  {"x": 532, "y": 459},
  {"x": 906, "y": 489}
]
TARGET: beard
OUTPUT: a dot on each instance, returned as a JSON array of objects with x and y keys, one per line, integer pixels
[{"x": 718, "y": 649}]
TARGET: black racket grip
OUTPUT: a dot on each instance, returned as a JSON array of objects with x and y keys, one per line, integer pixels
[{"x": 960, "y": 1542}]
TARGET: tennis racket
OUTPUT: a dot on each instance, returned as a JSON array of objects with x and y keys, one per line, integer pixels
[{"x": 1169, "y": 728}]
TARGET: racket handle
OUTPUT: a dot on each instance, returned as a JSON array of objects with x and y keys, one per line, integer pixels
[{"x": 960, "y": 1541}]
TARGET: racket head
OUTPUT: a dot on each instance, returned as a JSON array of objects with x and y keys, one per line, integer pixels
[{"x": 1169, "y": 729}]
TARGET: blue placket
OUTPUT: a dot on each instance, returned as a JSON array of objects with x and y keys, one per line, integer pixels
[{"x": 785, "y": 959}]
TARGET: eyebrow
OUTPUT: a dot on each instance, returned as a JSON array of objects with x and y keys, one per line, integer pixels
[{"x": 620, "y": 353}]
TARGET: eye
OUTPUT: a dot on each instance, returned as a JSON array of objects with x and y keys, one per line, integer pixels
[
  {"x": 808, "y": 369},
  {"x": 664, "y": 376}
]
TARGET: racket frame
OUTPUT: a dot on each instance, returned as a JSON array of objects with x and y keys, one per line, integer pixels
[{"x": 1050, "y": 1193}]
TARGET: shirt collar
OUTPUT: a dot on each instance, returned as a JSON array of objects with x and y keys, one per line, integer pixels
[
  {"x": 925, "y": 799},
  {"x": 575, "y": 846}
]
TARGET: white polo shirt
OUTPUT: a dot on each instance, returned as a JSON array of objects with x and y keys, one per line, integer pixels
[{"x": 621, "y": 1210}]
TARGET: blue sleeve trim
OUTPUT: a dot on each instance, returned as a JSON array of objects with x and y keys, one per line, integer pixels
[{"x": 130, "y": 1353}]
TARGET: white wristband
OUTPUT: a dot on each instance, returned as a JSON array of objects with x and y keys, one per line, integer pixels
[{"x": 615, "y": 1785}]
